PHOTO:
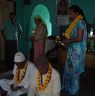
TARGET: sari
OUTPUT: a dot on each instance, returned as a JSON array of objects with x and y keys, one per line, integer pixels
[
  {"x": 75, "y": 62},
  {"x": 39, "y": 42}
]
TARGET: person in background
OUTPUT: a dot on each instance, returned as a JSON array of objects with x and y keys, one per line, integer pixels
[
  {"x": 39, "y": 37},
  {"x": 10, "y": 33},
  {"x": 20, "y": 83},
  {"x": 45, "y": 80},
  {"x": 76, "y": 38},
  {"x": 2, "y": 51},
  {"x": 62, "y": 7}
]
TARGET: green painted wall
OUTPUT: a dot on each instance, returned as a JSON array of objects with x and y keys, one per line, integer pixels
[
  {"x": 20, "y": 19},
  {"x": 42, "y": 11},
  {"x": 88, "y": 7},
  {"x": 24, "y": 15}
]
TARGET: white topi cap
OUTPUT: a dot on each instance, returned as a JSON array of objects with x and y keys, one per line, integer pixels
[{"x": 19, "y": 57}]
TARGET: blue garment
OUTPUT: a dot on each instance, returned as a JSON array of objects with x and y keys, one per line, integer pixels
[
  {"x": 74, "y": 65},
  {"x": 10, "y": 30},
  {"x": 11, "y": 34}
]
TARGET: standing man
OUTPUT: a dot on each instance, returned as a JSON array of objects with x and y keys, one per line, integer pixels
[
  {"x": 11, "y": 34},
  {"x": 2, "y": 51}
]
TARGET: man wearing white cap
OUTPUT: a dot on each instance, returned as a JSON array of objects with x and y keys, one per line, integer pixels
[{"x": 20, "y": 83}]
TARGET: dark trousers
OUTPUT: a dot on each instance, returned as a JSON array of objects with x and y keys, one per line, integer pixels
[
  {"x": 23, "y": 95},
  {"x": 10, "y": 50}
]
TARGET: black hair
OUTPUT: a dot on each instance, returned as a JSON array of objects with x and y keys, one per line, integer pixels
[
  {"x": 41, "y": 60},
  {"x": 77, "y": 9},
  {"x": 12, "y": 13}
]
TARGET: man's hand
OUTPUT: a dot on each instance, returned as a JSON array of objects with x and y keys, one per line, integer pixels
[{"x": 15, "y": 88}]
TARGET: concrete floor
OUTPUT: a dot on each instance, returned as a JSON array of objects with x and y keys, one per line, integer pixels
[{"x": 87, "y": 83}]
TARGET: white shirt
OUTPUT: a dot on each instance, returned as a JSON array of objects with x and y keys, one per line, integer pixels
[
  {"x": 53, "y": 88},
  {"x": 5, "y": 84},
  {"x": 26, "y": 79}
]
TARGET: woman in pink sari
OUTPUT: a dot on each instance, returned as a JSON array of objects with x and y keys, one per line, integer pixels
[{"x": 39, "y": 37}]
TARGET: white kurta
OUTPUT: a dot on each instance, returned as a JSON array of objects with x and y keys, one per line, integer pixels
[
  {"x": 5, "y": 84},
  {"x": 53, "y": 88}
]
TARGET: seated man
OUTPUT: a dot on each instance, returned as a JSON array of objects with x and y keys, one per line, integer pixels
[
  {"x": 45, "y": 80},
  {"x": 20, "y": 83}
]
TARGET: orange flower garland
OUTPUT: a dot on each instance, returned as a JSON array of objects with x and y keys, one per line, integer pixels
[
  {"x": 18, "y": 77},
  {"x": 43, "y": 86},
  {"x": 71, "y": 27}
]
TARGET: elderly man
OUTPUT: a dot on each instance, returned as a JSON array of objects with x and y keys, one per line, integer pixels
[
  {"x": 46, "y": 80},
  {"x": 20, "y": 83}
]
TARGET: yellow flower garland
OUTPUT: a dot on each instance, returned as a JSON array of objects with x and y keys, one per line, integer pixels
[
  {"x": 20, "y": 78},
  {"x": 43, "y": 86},
  {"x": 71, "y": 27}
]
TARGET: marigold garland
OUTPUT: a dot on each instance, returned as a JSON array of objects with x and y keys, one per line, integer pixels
[
  {"x": 18, "y": 77},
  {"x": 43, "y": 86},
  {"x": 71, "y": 27}
]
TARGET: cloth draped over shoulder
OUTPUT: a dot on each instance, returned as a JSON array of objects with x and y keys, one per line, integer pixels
[{"x": 75, "y": 62}]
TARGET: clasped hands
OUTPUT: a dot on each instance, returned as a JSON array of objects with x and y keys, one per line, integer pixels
[{"x": 31, "y": 38}]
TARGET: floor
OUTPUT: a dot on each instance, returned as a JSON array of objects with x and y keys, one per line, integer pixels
[
  {"x": 87, "y": 82},
  {"x": 3, "y": 67}
]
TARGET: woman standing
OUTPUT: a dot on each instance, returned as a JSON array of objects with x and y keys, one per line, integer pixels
[
  {"x": 39, "y": 37},
  {"x": 76, "y": 36}
]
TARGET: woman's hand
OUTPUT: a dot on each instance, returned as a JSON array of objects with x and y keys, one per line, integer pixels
[{"x": 30, "y": 38}]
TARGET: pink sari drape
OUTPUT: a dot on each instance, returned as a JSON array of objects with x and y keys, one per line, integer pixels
[
  {"x": 38, "y": 49},
  {"x": 39, "y": 40}
]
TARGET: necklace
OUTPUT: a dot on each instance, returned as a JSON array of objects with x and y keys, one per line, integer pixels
[
  {"x": 71, "y": 27},
  {"x": 18, "y": 77},
  {"x": 43, "y": 86}
]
